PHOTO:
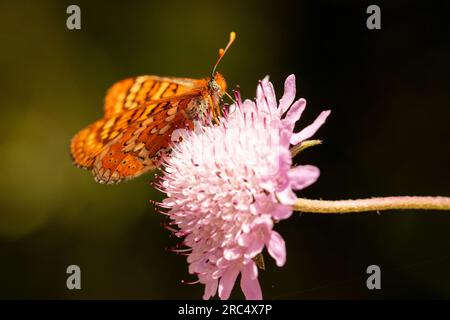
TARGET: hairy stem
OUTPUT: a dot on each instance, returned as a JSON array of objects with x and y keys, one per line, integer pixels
[{"x": 372, "y": 204}]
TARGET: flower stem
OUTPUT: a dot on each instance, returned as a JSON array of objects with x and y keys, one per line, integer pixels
[{"x": 372, "y": 204}]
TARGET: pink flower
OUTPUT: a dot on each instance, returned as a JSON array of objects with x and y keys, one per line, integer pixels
[{"x": 227, "y": 184}]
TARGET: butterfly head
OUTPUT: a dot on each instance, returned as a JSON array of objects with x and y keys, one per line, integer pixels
[{"x": 217, "y": 86}]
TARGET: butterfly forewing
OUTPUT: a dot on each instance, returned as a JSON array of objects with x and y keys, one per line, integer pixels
[{"x": 134, "y": 92}]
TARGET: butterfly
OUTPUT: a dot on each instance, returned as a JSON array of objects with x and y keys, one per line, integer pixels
[{"x": 140, "y": 115}]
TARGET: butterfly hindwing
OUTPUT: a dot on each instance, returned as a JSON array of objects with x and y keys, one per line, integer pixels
[{"x": 139, "y": 147}]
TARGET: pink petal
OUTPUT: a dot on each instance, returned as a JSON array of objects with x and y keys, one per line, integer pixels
[
  {"x": 282, "y": 180},
  {"x": 198, "y": 266},
  {"x": 213, "y": 288},
  {"x": 269, "y": 91},
  {"x": 250, "y": 269},
  {"x": 294, "y": 113},
  {"x": 289, "y": 94},
  {"x": 249, "y": 282},
  {"x": 311, "y": 129},
  {"x": 252, "y": 244},
  {"x": 248, "y": 106},
  {"x": 285, "y": 138},
  {"x": 287, "y": 196},
  {"x": 259, "y": 89},
  {"x": 266, "y": 78},
  {"x": 284, "y": 160},
  {"x": 269, "y": 204},
  {"x": 303, "y": 176},
  {"x": 232, "y": 253},
  {"x": 227, "y": 282},
  {"x": 262, "y": 202},
  {"x": 265, "y": 95},
  {"x": 281, "y": 212},
  {"x": 210, "y": 289},
  {"x": 277, "y": 248},
  {"x": 222, "y": 263}
]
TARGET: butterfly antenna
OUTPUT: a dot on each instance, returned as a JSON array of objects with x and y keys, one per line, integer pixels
[{"x": 223, "y": 51}]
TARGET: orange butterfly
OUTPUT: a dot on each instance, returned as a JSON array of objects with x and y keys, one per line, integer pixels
[{"x": 140, "y": 115}]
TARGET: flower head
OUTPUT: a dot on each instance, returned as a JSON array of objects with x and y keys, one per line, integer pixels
[{"x": 227, "y": 184}]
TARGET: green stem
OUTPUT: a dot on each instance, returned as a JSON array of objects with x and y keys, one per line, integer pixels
[
  {"x": 304, "y": 145},
  {"x": 372, "y": 204}
]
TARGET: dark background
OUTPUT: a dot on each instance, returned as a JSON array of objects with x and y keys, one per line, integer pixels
[{"x": 387, "y": 135}]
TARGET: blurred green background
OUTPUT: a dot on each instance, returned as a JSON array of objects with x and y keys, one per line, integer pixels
[{"x": 387, "y": 135}]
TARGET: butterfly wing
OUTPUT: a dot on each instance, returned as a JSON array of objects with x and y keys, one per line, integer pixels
[
  {"x": 129, "y": 140},
  {"x": 134, "y": 92},
  {"x": 139, "y": 147}
]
